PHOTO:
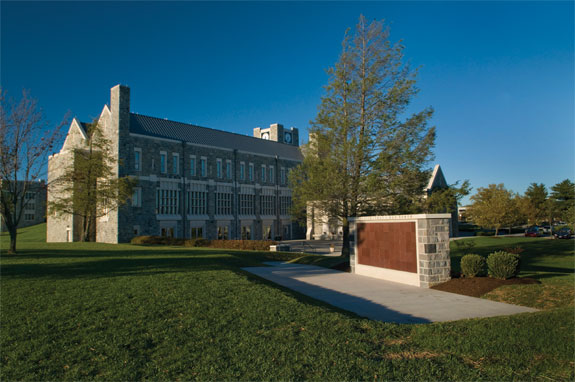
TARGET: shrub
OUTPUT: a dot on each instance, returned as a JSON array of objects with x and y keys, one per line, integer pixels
[
  {"x": 247, "y": 245},
  {"x": 503, "y": 265},
  {"x": 156, "y": 240},
  {"x": 472, "y": 265},
  {"x": 515, "y": 250},
  {"x": 465, "y": 245},
  {"x": 199, "y": 242}
]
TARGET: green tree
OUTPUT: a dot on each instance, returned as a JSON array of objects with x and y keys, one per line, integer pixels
[
  {"x": 446, "y": 200},
  {"x": 26, "y": 140},
  {"x": 363, "y": 157},
  {"x": 562, "y": 199},
  {"x": 89, "y": 187},
  {"x": 495, "y": 207},
  {"x": 534, "y": 203}
]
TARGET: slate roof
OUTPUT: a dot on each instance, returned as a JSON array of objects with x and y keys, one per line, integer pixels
[{"x": 162, "y": 128}]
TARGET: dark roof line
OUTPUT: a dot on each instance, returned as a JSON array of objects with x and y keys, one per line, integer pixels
[
  {"x": 164, "y": 128},
  {"x": 209, "y": 128}
]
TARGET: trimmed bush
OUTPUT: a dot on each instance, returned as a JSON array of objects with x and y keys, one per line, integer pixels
[
  {"x": 156, "y": 240},
  {"x": 199, "y": 242},
  {"x": 472, "y": 265},
  {"x": 503, "y": 265},
  {"x": 247, "y": 245}
]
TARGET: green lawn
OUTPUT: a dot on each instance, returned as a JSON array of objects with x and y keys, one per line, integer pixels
[{"x": 79, "y": 311}]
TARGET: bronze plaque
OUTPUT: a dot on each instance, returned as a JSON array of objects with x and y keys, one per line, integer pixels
[{"x": 387, "y": 245}]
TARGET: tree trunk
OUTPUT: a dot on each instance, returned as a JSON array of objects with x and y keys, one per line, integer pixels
[
  {"x": 13, "y": 234},
  {"x": 345, "y": 246},
  {"x": 85, "y": 229}
]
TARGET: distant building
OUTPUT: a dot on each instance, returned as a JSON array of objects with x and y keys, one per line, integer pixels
[
  {"x": 34, "y": 205},
  {"x": 192, "y": 181}
]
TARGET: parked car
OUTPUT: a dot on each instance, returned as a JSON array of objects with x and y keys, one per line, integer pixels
[
  {"x": 545, "y": 229},
  {"x": 563, "y": 233},
  {"x": 533, "y": 232}
]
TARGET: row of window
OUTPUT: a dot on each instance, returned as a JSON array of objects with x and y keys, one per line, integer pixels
[
  {"x": 266, "y": 174},
  {"x": 168, "y": 203}
]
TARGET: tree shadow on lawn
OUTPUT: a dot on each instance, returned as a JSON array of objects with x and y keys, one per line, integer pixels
[{"x": 114, "y": 264}]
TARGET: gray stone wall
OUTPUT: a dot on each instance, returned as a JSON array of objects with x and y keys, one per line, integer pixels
[
  {"x": 150, "y": 177},
  {"x": 433, "y": 248},
  {"x": 59, "y": 227}
]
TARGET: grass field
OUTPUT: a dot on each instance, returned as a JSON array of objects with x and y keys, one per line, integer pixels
[{"x": 79, "y": 311}]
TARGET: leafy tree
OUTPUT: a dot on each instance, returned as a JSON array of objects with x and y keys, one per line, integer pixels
[
  {"x": 534, "y": 203},
  {"x": 89, "y": 187},
  {"x": 446, "y": 200},
  {"x": 362, "y": 157},
  {"x": 26, "y": 140},
  {"x": 495, "y": 207},
  {"x": 562, "y": 199}
]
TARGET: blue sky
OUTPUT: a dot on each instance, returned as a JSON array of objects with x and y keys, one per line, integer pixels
[{"x": 500, "y": 75}]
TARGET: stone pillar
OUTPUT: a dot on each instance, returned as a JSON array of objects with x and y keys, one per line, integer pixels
[{"x": 433, "y": 243}]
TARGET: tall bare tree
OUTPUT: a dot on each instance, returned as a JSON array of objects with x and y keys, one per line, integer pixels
[
  {"x": 364, "y": 156},
  {"x": 26, "y": 140}
]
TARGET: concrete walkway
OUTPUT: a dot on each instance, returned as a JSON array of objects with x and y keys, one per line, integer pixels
[{"x": 378, "y": 299}]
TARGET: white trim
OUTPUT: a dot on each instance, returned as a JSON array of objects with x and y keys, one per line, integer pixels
[
  {"x": 388, "y": 274},
  {"x": 79, "y": 126},
  {"x": 389, "y": 218}
]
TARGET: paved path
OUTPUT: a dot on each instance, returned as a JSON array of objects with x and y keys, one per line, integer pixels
[{"x": 378, "y": 299}]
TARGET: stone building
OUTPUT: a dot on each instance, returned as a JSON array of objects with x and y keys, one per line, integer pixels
[
  {"x": 192, "y": 181},
  {"x": 33, "y": 206}
]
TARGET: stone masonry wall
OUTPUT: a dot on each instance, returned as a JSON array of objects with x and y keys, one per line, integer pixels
[{"x": 433, "y": 243}]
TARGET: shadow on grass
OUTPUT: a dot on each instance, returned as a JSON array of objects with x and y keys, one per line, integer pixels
[
  {"x": 350, "y": 305},
  {"x": 95, "y": 263}
]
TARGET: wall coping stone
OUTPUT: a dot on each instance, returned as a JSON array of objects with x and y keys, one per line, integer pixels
[{"x": 400, "y": 217}]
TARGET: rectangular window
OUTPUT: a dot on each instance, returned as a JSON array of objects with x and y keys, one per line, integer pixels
[
  {"x": 251, "y": 172},
  {"x": 192, "y": 165},
  {"x": 137, "y": 159},
  {"x": 283, "y": 175},
  {"x": 167, "y": 202},
  {"x": 229, "y": 169},
  {"x": 224, "y": 200},
  {"x": 285, "y": 205},
  {"x": 263, "y": 174},
  {"x": 136, "y": 230},
  {"x": 163, "y": 162},
  {"x": 246, "y": 232},
  {"x": 271, "y": 174},
  {"x": 197, "y": 200},
  {"x": 218, "y": 168},
  {"x": 175, "y": 164},
  {"x": 197, "y": 232},
  {"x": 223, "y": 232},
  {"x": 203, "y": 166},
  {"x": 242, "y": 171},
  {"x": 30, "y": 202},
  {"x": 29, "y": 217},
  {"x": 137, "y": 197},
  {"x": 268, "y": 204},
  {"x": 247, "y": 204}
]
